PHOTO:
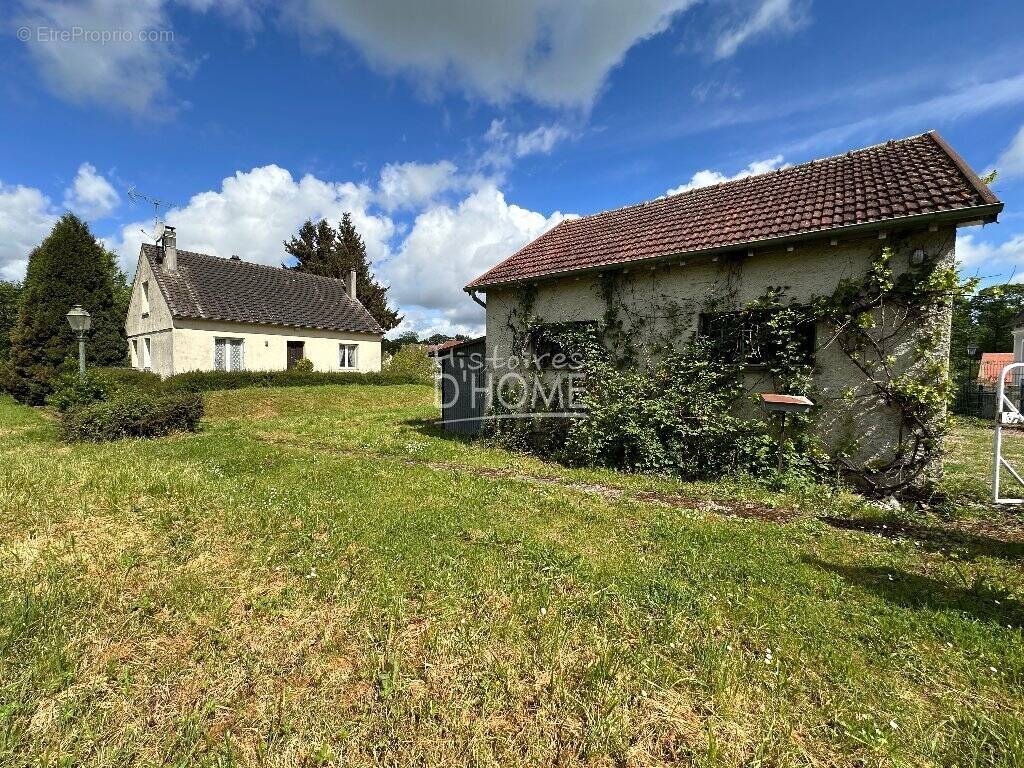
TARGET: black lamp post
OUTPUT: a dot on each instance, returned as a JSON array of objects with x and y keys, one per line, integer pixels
[
  {"x": 972, "y": 371},
  {"x": 80, "y": 322}
]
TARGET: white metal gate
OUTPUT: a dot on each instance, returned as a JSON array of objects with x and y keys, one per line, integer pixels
[{"x": 1007, "y": 415}]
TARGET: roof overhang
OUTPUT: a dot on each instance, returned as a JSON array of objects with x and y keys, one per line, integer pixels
[{"x": 979, "y": 214}]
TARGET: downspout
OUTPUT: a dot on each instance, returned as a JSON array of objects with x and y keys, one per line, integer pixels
[{"x": 474, "y": 297}]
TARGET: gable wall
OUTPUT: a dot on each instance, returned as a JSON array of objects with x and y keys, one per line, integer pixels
[{"x": 155, "y": 325}]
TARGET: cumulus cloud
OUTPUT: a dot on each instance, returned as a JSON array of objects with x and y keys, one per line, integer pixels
[
  {"x": 550, "y": 51},
  {"x": 706, "y": 177},
  {"x": 767, "y": 17},
  {"x": 1011, "y": 161},
  {"x": 449, "y": 245},
  {"x": 408, "y": 185},
  {"x": 90, "y": 195},
  {"x": 990, "y": 260},
  {"x": 26, "y": 217},
  {"x": 254, "y": 211},
  {"x": 130, "y": 72}
]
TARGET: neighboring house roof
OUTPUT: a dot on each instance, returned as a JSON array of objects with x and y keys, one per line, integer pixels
[
  {"x": 887, "y": 182},
  {"x": 205, "y": 287},
  {"x": 992, "y": 363},
  {"x": 434, "y": 350}
]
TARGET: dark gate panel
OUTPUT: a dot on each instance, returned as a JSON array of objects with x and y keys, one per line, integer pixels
[{"x": 464, "y": 387}]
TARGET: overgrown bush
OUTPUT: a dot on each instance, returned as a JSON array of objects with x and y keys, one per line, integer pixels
[
  {"x": 677, "y": 416},
  {"x": 303, "y": 365},
  {"x": 132, "y": 413},
  {"x": 412, "y": 360},
  {"x": 209, "y": 381},
  {"x": 70, "y": 390}
]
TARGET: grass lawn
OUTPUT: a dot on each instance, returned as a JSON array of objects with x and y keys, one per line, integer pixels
[{"x": 321, "y": 577}]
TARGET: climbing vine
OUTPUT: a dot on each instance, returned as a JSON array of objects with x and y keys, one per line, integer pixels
[{"x": 681, "y": 401}]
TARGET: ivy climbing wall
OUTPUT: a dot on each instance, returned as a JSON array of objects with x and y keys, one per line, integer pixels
[{"x": 880, "y": 310}]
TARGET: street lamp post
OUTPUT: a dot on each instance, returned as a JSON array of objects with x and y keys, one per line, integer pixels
[{"x": 80, "y": 322}]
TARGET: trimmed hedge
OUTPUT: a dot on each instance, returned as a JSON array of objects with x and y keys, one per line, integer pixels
[
  {"x": 115, "y": 380},
  {"x": 133, "y": 414},
  {"x": 208, "y": 381}
]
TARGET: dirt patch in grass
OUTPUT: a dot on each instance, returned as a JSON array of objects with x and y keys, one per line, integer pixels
[{"x": 743, "y": 509}]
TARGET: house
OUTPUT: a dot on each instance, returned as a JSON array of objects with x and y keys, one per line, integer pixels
[
  {"x": 195, "y": 312},
  {"x": 991, "y": 364},
  {"x": 687, "y": 263}
]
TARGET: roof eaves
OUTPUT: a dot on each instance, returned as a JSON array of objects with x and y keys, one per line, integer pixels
[{"x": 986, "y": 213}]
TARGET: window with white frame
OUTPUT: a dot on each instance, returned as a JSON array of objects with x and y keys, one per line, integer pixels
[
  {"x": 228, "y": 355},
  {"x": 147, "y": 354},
  {"x": 136, "y": 362},
  {"x": 145, "y": 297},
  {"x": 347, "y": 355}
]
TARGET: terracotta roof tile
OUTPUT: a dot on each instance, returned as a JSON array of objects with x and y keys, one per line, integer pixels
[
  {"x": 207, "y": 287},
  {"x": 917, "y": 175}
]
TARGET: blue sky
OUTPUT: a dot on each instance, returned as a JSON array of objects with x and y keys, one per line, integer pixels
[{"x": 457, "y": 131}]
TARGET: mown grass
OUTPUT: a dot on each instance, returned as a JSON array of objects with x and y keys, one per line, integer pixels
[{"x": 321, "y": 577}]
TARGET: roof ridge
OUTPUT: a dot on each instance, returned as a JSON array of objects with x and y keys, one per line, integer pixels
[{"x": 787, "y": 169}]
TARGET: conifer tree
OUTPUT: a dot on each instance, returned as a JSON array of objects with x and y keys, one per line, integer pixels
[
  {"x": 321, "y": 250},
  {"x": 69, "y": 267}
]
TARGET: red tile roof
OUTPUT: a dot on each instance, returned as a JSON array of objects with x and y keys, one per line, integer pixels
[
  {"x": 887, "y": 182},
  {"x": 991, "y": 364}
]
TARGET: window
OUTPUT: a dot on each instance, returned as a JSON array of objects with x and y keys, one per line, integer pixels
[
  {"x": 145, "y": 297},
  {"x": 744, "y": 337},
  {"x": 347, "y": 355},
  {"x": 228, "y": 355},
  {"x": 136, "y": 363},
  {"x": 551, "y": 348},
  {"x": 147, "y": 354}
]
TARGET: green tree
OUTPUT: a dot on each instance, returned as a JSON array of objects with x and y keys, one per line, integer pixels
[
  {"x": 987, "y": 319},
  {"x": 315, "y": 249},
  {"x": 69, "y": 267},
  {"x": 8, "y": 315},
  {"x": 321, "y": 250}
]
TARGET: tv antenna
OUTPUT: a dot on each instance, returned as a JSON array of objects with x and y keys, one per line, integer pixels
[{"x": 140, "y": 197}]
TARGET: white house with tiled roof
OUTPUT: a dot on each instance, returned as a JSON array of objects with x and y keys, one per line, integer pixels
[{"x": 195, "y": 312}]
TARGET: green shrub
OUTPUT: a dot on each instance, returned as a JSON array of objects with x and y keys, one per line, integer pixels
[
  {"x": 119, "y": 379},
  {"x": 209, "y": 381},
  {"x": 674, "y": 417},
  {"x": 133, "y": 414},
  {"x": 71, "y": 390},
  {"x": 412, "y": 360},
  {"x": 303, "y": 365}
]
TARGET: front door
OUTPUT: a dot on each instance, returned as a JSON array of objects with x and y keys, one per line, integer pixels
[{"x": 296, "y": 351}]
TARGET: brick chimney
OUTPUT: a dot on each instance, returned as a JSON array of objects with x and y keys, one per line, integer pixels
[
  {"x": 170, "y": 246},
  {"x": 350, "y": 284}
]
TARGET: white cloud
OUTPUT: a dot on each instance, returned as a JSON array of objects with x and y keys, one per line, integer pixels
[
  {"x": 129, "y": 72},
  {"x": 1011, "y": 161},
  {"x": 539, "y": 141},
  {"x": 706, "y": 177},
  {"x": 553, "y": 52},
  {"x": 90, "y": 195},
  {"x": 768, "y": 17},
  {"x": 26, "y": 217},
  {"x": 988, "y": 260},
  {"x": 450, "y": 245},
  {"x": 255, "y": 211},
  {"x": 966, "y": 101},
  {"x": 408, "y": 185}
]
